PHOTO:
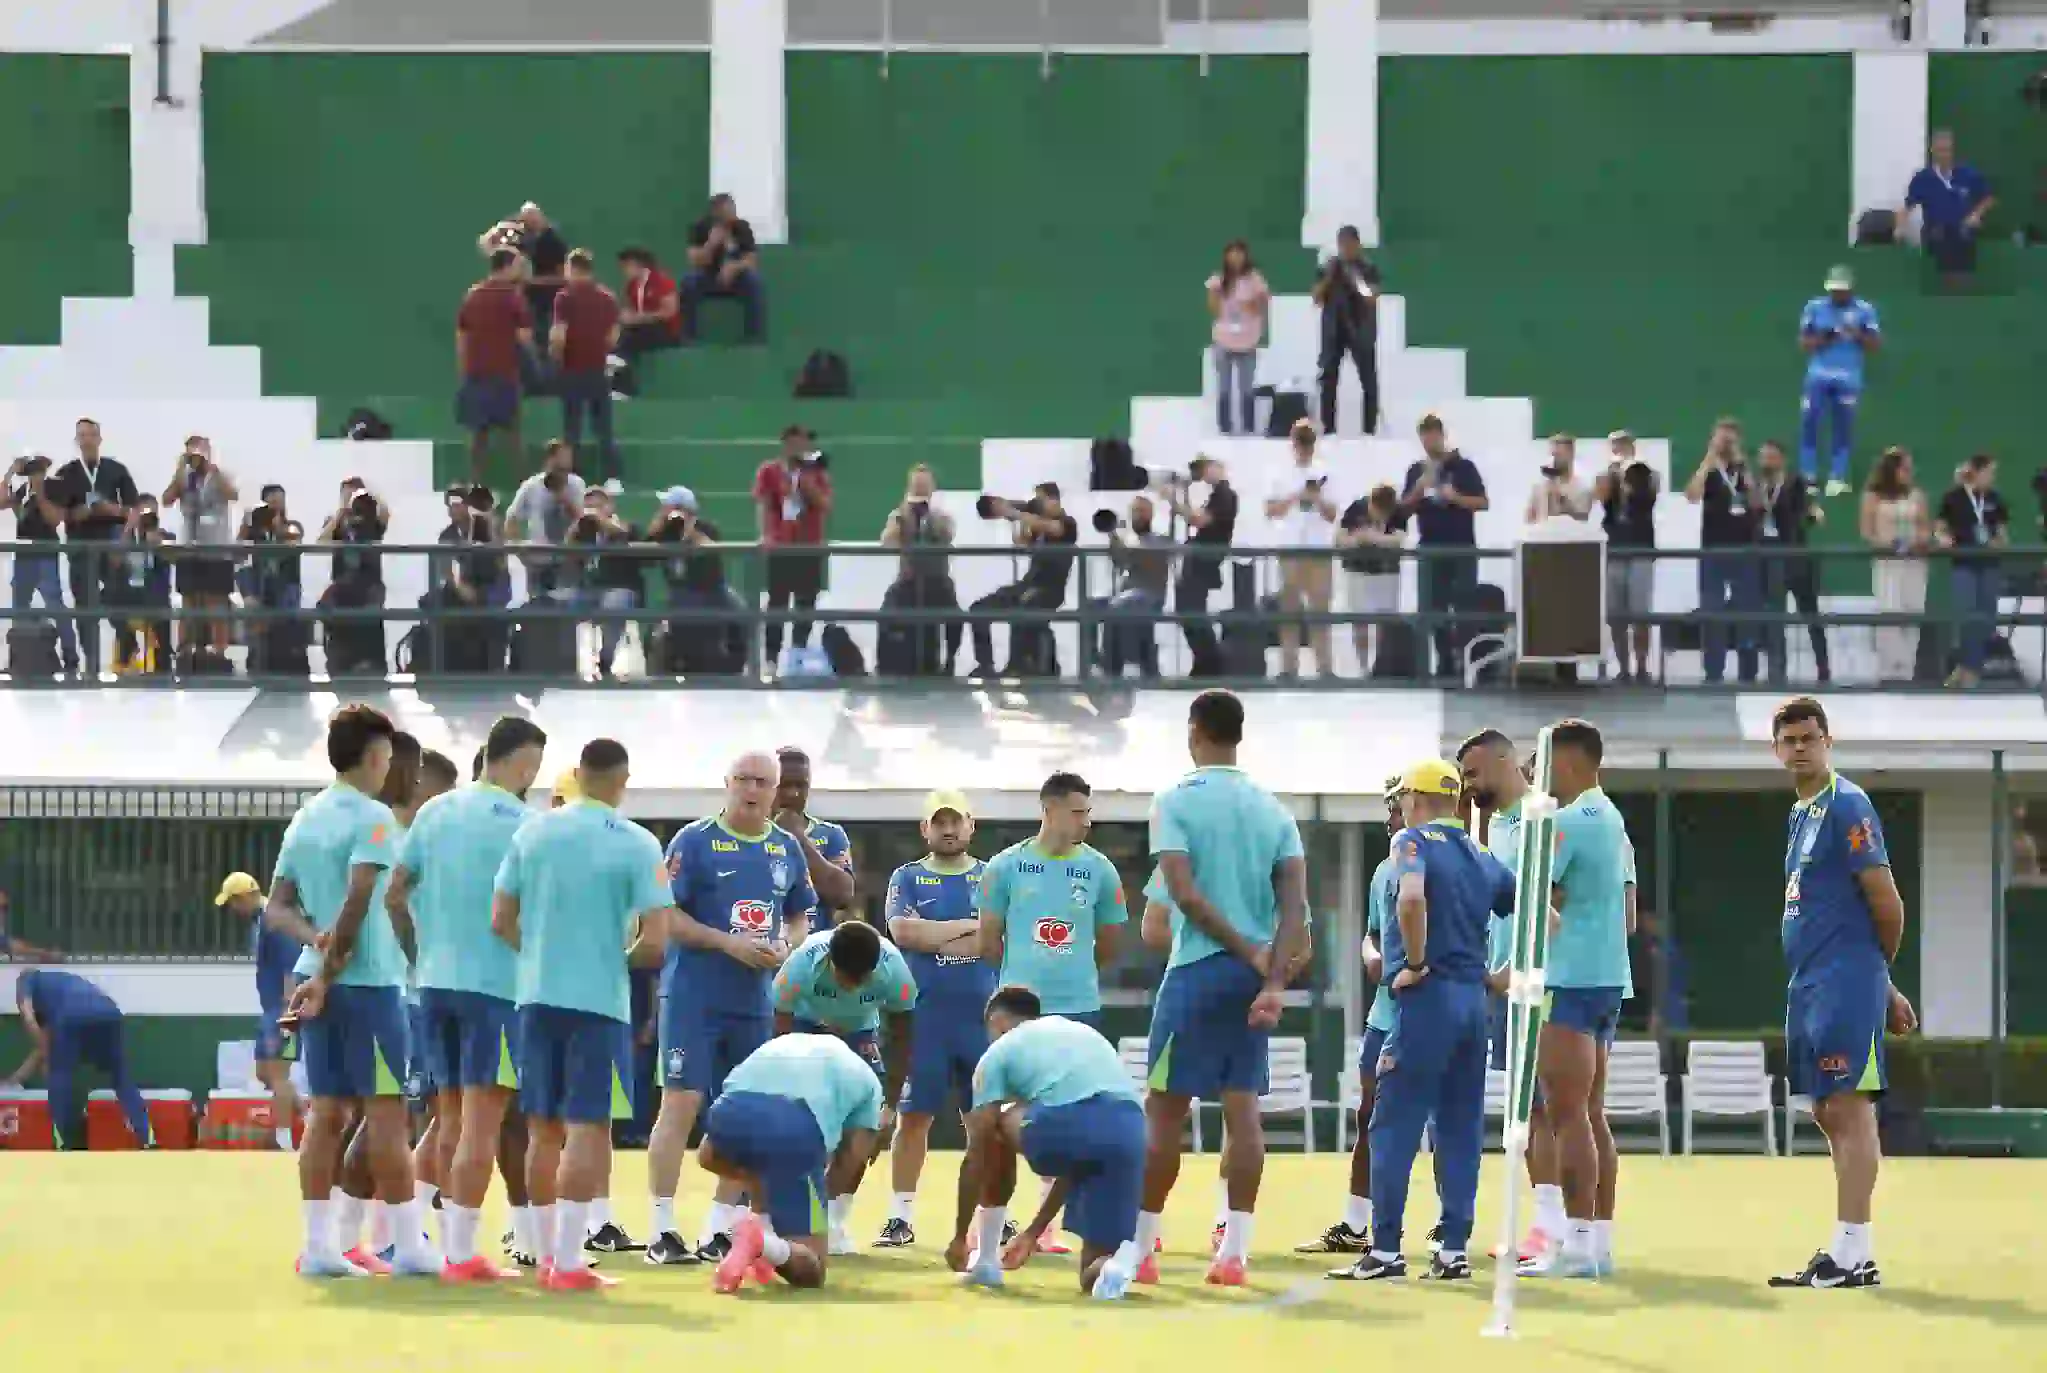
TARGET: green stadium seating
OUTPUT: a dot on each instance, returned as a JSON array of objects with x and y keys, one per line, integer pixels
[{"x": 63, "y": 187}]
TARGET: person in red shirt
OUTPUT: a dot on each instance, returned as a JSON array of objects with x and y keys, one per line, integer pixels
[
  {"x": 492, "y": 331},
  {"x": 792, "y": 494},
  {"x": 586, "y": 329},
  {"x": 651, "y": 317}
]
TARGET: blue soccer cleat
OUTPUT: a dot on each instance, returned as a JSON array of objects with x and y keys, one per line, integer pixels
[
  {"x": 983, "y": 1275},
  {"x": 327, "y": 1266}
]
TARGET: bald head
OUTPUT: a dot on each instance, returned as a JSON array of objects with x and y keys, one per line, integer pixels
[{"x": 750, "y": 790}]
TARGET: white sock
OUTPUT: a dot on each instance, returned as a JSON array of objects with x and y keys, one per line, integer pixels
[
  {"x": 900, "y": 1205},
  {"x": 410, "y": 1222},
  {"x": 571, "y": 1219},
  {"x": 523, "y": 1237},
  {"x": 284, "y": 1138},
  {"x": 543, "y": 1232},
  {"x": 1578, "y": 1239},
  {"x": 1549, "y": 1210},
  {"x": 836, "y": 1211},
  {"x": 382, "y": 1225},
  {"x": 600, "y": 1213},
  {"x": 1126, "y": 1257},
  {"x": 1851, "y": 1244},
  {"x": 1357, "y": 1214},
  {"x": 988, "y": 1243},
  {"x": 1602, "y": 1240},
  {"x": 348, "y": 1213},
  {"x": 718, "y": 1221},
  {"x": 774, "y": 1248},
  {"x": 1148, "y": 1225},
  {"x": 1222, "y": 1202},
  {"x": 425, "y": 1192},
  {"x": 458, "y": 1231},
  {"x": 664, "y": 1217},
  {"x": 1236, "y": 1236},
  {"x": 319, "y": 1216}
]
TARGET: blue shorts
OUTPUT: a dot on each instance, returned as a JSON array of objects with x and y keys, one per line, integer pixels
[
  {"x": 1834, "y": 1033},
  {"x": 944, "y": 1052},
  {"x": 1097, "y": 1145},
  {"x": 866, "y": 1043},
  {"x": 358, "y": 1044},
  {"x": 699, "y": 1047},
  {"x": 776, "y": 1139},
  {"x": 1591, "y": 1011},
  {"x": 470, "y": 1039},
  {"x": 419, "y": 1073},
  {"x": 573, "y": 1065},
  {"x": 1369, "y": 1048},
  {"x": 272, "y": 997},
  {"x": 487, "y": 403},
  {"x": 1202, "y": 1042}
]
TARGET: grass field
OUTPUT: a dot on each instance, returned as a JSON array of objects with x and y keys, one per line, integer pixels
[{"x": 183, "y": 1262}]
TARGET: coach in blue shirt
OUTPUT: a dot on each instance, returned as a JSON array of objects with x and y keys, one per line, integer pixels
[{"x": 1951, "y": 201}]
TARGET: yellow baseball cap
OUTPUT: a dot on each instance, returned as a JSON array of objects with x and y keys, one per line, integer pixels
[
  {"x": 945, "y": 798},
  {"x": 237, "y": 884},
  {"x": 1432, "y": 778},
  {"x": 566, "y": 787}
]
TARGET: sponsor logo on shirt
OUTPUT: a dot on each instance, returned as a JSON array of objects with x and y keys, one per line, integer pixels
[
  {"x": 1055, "y": 933},
  {"x": 724, "y": 846},
  {"x": 1834, "y": 1065},
  {"x": 755, "y": 919}
]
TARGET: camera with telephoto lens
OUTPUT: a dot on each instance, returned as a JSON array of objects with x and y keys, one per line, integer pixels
[
  {"x": 817, "y": 458},
  {"x": 992, "y": 507},
  {"x": 34, "y": 465},
  {"x": 1106, "y": 522}
]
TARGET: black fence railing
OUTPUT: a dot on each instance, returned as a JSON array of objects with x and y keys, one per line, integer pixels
[{"x": 369, "y": 610}]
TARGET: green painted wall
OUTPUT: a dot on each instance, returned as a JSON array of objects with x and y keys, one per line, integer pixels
[{"x": 63, "y": 187}]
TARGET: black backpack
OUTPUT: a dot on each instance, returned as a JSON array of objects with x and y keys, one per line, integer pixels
[
  {"x": 842, "y": 653},
  {"x": 365, "y": 423},
  {"x": 824, "y": 376}
]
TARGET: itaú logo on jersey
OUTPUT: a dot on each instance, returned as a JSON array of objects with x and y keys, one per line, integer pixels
[
  {"x": 753, "y": 918},
  {"x": 1054, "y": 933}
]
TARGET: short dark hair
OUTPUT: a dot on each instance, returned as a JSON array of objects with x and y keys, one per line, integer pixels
[
  {"x": 602, "y": 755},
  {"x": 438, "y": 767},
  {"x": 476, "y": 765},
  {"x": 502, "y": 258},
  {"x": 1431, "y": 424},
  {"x": 1485, "y": 738},
  {"x": 350, "y": 732},
  {"x": 795, "y": 431},
  {"x": 508, "y": 734},
  {"x": 1048, "y": 489},
  {"x": 1020, "y": 1002},
  {"x": 636, "y": 254},
  {"x": 724, "y": 198},
  {"x": 1581, "y": 735},
  {"x": 1349, "y": 231},
  {"x": 268, "y": 489},
  {"x": 855, "y": 948},
  {"x": 1797, "y": 710},
  {"x": 1978, "y": 461},
  {"x": 788, "y": 751},
  {"x": 1062, "y": 784},
  {"x": 580, "y": 259},
  {"x": 1219, "y": 716}
]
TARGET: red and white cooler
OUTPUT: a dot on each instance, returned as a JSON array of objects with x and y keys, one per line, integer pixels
[
  {"x": 243, "y": 1118},
  {"x": 25, "y": 1119},
  {"x": 170, "y": 1120}
]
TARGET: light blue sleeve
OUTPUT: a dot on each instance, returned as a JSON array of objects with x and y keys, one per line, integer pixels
[
  {"x": 511, "y": 872},
  {"x": 1870, "y": 321},
  {"x": 994, "y": 897},
  {"x": 902, "y": 985},
  {"x": 649, "y": 875},
  {"x": 1168, "y": 827},
  {"x": 372, "y": 846},
  {"x": 1155, "y": 888},
  {"x": 865, "y": 1110},
  {"x": 991, "y": 1075},
  {"x": 287, "y": 856},
  {"x": 1109, "y": 907},
  {"x": 1570, "y": 839},
  {"x": 794, "y": 975},
  {"x": 1289, "y": 835},
  {"x": 1628, "y": 861},
  {"x": 1809, "y": 318},
  {"x": 412, "y": 850}
]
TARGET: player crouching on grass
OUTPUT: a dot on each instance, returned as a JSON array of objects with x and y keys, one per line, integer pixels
[{"x": 1055, "y": 1092}]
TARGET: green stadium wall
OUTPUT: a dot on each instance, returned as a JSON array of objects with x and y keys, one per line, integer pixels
[{"x": 63, "y": 188}]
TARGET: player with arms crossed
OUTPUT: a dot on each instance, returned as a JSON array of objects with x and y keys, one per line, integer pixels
[
  {"x": 273, "y": 952},
  {"x": 580, "y": 886},
  {"x": 1232, "y": 861},
  {"x": 468, "y": 978},
  {"x": 827, "y": 852},
  {"x": 798, "y": 1119},
  {"x": 350, "y": 1013},
  {"x": 930, "y": 915},
  {"x": 840, "y": 981},
  {"x": 744, "y": 896},
  {"x": 1843, "y": 923},
  {"x": 1055, "y": 1092}
]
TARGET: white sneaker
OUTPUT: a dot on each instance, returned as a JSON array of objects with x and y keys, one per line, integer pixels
[{"x": 615, "y": 487}]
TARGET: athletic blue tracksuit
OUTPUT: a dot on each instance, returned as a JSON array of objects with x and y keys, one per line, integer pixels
[
  {"x": 1833, "y": 379},
  {"x": 1434, "y": 1062},
  {"x": 84, "y": 1025}
]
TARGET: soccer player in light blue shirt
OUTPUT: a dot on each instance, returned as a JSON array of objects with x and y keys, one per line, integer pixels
[
  {"x": 1234, "y": 869},
  {"x": 1054, "y": 1092},
  {"x": 1052, "y": 910},
  {"x": 579, "y": 888},
  {"x": 1837, "y": 330},
  {"x": 468, "y": 977}
]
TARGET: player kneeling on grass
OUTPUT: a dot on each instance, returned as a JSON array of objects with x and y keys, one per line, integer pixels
[
  {"x": 797, "y": 1122},
  {"x": 1054, "y": 1091}
]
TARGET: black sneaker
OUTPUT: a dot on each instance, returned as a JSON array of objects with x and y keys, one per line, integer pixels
[
  {"x": 1371, "y": 1268},
  {"x": 611, "y": 1238},
  {"x": 897, "y": 1234},
  {"x": 669, "y": 1250},
  {"x": 522, "y": 1258},
  {"x": 1822, "y": 1271},
  {"x": 1337, "y": 1239},
  {"x": 1436, "y": 1238},
  {"x": 1008, "y": 1232},
  {"x": 719, "y": 1246},
  {"x": 1457, "y": 1269}
]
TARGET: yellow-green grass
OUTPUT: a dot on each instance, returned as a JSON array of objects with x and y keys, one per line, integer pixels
[{"x": 148, "y": 1264}]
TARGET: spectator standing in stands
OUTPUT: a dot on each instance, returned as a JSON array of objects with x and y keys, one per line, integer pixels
[
  {"x": 206, "y": 493},
  {"x": 1305, "y": 526},
  {"x": 924, "y": 573},
  {"x": 1895, "y": 523},
  {"x": 1370, "y": 536},
  {"x": 271, "y": 581},
  {"x": 792, "y": 495},
  {"x": 543, "y": 510},
  {"x": 1837, "y": 331},
  {"x": 1729, "y": 579},
  {"x": 1444, "y": 494},
  {"x": 1208, "y": 503},
  {"x": 1043, "y": 526},
  {"x": 610, "y": 582},
  {"x": 547, "y": 254},
  {"x": 38, "y": 513},
  {"x": 586, "y": 331},
  {"x": 724, "y": 260},
  {"x": 1238, "y": 299},
  {"x": 492, "y": 330},
  {"x": 650, "y": 316},
  {"x": 1974, "y": 521},
  {"x": 1559, "y": 492},
  {"x": 1348, "y": 292},
  {"x": 1626, "y": 493},
  {"x": 356, "y": 581},
  {"x": 96, "y": 494},
  {"x": 1787, "y": 511},
  {"x": 139, "y": 589},
  {"x": 1143, "y": 558},
  {"x": 1952, "y": 200}
]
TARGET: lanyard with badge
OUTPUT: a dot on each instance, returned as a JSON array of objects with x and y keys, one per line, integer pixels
[
  {"x": 1805, "y": 832},
  {"x": 1978, "y": 501},
  {"x": 1770, "y": 494}
]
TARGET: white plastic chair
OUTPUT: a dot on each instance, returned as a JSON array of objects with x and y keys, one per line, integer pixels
[
  {"x": 1795, "y": 1108},
  {"x": 1636, "y": 1088},
  {"x": 1729, "y": 1080},
  {"x": 1289, "y": 1089}
]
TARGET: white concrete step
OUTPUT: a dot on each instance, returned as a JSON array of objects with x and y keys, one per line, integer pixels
[{"x": 118, "y": 325}]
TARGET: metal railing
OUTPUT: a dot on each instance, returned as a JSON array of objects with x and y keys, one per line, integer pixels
[{"x": 703, "y": 613}]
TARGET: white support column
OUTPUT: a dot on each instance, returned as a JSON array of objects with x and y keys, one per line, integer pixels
[
  {"x": 1943, "y": 23},
  {"x": 1343, "y": 121},
  {"x": 166, "y": 159},
  {"x": 749, "y": 117},
  {"x": 1889, "y": 140},
  {"x": 1953, "y": 926}
]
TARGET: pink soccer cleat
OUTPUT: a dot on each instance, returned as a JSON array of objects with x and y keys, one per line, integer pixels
[
  {"x": 1050, "y": 1243},
  {"x": 574, "y": 1280},
  {"x": 1226, "y": 1273},
  {"x": 476, "y": 1270},
  {"x": 738, "y": 1263},
  {"x": 368, "y": 1262},
  {"x": 1535, "y": 1245},
  {"x": 1148, "y": 1271}
]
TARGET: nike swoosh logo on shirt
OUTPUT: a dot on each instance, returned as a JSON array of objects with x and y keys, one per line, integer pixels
[{"x": 733, "y": 873}]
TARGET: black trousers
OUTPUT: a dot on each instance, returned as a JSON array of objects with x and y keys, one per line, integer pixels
[
  {"x": 914, "y": 649},
  {"x": 1024, "y": 641},
  {"x": 1793, "y": 579},
  {"x": 92, "y": 580},
  {"x": 1364, "y": 355},
  {"x": 1191, "y": 590}
]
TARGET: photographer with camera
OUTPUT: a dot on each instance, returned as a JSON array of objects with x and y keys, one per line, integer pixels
[
  {"x": 1305, "y": 520},
  {"x": 792, "y": 495},
  {"x": 273, "y": 579},
  {"x": 543, "y": 509},
  {"x": 694, "y": 573},
  {"x": 204, "y": 491},
  {"x": 1370, "y": 535},
  {"x": 1205, "y": 499},
  {"x": 471, "y": 576},
  {"x": 356, "y": 581},
  {"x": 1143, "y": 558},
  {"x": 1626, "y": 493},
  {"x": 36, "y": 520},
  {"x": 1348, "y": 292},
  {"x": 96, "y": 493},
  {"x": 140, "y": 585},
  {"x": 1042, "y": 525},
  {"x": 608, "y": 582},
  {"x": 1729, "y": 581},
  {"x": 923, "y": 582},
  {"x": 1445, "y": 493}
]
